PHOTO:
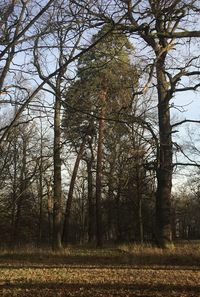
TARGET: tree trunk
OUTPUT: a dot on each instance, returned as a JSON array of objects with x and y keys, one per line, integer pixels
[
  {"x": 50, "y": 210},
  {"x": 57, "y": 209},
  {"x": 139, "y": 201},
  {"x": 140, "y": 217},
  {"x": 14, "y": 193},
  {"x": 164, "y": 170},
  {"x": 65, "y": 234},
  {"x": 40, "y": 190},
  {"x": 90, "y": 202},
  {"x": 118, "y": 214},
  {"x": 99, "y": 170},
  {"x": 111, "y": 188}
]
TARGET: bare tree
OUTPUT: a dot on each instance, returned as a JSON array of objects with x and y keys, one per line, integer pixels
[{"x": 165, "y": 29}]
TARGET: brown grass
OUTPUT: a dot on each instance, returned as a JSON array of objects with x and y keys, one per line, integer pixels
[{"x": 126, "y": 270}]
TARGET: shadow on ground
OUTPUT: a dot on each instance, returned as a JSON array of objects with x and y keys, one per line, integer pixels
[
  {"x": 96, "y": 290},
  {"x": 118, "y": 258}
]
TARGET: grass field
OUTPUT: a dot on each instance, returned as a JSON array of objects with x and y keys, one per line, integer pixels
[{"x": 120, "y": 271}]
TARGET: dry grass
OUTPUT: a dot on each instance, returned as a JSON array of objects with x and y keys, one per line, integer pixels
[
  {"x": 183, "y": 253},
  {"x": 128, "y": 270}
]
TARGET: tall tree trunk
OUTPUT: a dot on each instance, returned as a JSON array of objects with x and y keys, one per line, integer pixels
[
  {"x": 99, "y": 170},
  {"x": 50, "y": 210},
  {"x": 164, "y": 170},
  {"x": 57, "y": 210},
  {"x": 118, "y": 213},
  {"x": 139, "y": 201},
  {"x": 14, "y": 193},
  {"x": 90, "y": 202},
  {"x": 65, "y": 234},
  {"x": 40, "y": 187},
  {"x": 141, "y": 228},
  {"x": 111, "y": 188}
]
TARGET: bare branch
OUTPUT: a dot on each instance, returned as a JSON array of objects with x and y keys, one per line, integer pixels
[
  {"x": 186, "y": 164},
  {"x": 194, "y": 88},
  {"x": 19, "y": 35},
  {"x": 185, "y": 121},
  {"x": 48, "y": 78}
]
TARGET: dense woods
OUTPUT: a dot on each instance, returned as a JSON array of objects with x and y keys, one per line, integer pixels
[{"x": 91, "y": 136}]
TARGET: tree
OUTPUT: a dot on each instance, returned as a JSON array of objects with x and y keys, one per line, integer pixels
[
  {"x": 67, "y": 39},
  {"x": 15, "y": 22},
  {"x": 25, "y": 37},
  {"x": 161, "y": 34},
  {"x": 162, "y": 29},
  {"x": 160, "y": 25},
  {"x": 97, "y": 94}
]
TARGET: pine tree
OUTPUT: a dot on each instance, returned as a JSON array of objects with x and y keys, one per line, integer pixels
[{"x": 106, "y": 81}]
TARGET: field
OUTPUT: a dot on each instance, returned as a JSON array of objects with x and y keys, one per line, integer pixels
[{"x": 118, "y": 271}]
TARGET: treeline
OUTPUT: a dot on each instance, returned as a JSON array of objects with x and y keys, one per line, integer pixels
[{"x": 128, "y": 194}]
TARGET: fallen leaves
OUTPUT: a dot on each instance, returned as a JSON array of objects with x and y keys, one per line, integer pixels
[{"x": 96, "y": 279}]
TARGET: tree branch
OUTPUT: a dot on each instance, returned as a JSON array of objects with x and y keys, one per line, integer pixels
[
  {"x": 186, "y": 164},
  {"x": 185, "y": 121},
  {"x": 26, "y": 28}
]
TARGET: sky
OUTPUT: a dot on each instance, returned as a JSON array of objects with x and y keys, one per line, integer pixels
[{"x": 189, "y": 105}]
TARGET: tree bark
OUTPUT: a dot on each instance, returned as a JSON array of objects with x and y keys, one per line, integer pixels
[
  {"x": 139, "y": 201},
  {"x": 49, "y": 209},
  {"x": 40, "y": 225},
  {"x": 90, "y": 202},
  {"x": 164, "y": 170},
  {"x": 40, "y": 190},
  {"x": 111, "y": 187},
  {"x": 14, "y": 192},
  {"x": 118, "y": 215},
  {"x": 57, "y": 209},
  {"x": 99, "y": 170}
]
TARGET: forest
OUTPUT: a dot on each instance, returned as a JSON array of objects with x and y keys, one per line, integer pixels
[
  {"x": 99, "y": 148},
  {"x": 96, "y": 145}
]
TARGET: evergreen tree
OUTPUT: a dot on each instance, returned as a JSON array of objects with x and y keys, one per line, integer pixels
[{"x": 106, "y": 81}]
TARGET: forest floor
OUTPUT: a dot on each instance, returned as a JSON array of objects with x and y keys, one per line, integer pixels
[{"x": 126, "y": 270}]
